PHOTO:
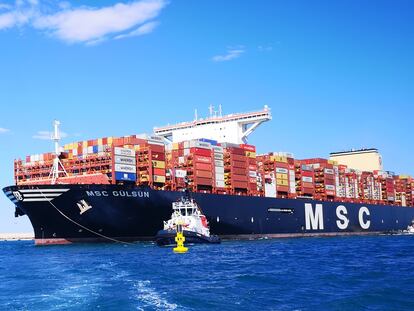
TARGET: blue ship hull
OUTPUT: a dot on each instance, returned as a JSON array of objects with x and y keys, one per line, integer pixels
[{"x": 63, "y": 214}]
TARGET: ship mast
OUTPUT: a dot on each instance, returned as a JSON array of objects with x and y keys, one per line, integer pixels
[{"x": 57, "y": 167}]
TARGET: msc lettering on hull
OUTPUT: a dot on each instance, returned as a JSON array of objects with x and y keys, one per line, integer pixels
[
  {"x": 314, "y": 217},
  {"x": 121, "y": 193}
]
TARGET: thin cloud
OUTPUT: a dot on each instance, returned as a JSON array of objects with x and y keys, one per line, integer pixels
[
  {"x": 84, "y": 24},
  {"x": 262, "y": 48},
  {"x": 140, "y": 31},
  {"x": 3, "y": 130},
  {"x": 230, "y": 55},
  {"x": 46, "y": 135}
]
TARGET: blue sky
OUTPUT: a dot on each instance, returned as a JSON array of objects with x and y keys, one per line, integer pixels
[{"x": 336, "y": 74}]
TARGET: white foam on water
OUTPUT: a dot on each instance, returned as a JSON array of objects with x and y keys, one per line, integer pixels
[{"x": 150, "y": 298}]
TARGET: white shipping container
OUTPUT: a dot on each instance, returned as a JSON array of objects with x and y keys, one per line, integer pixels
[
  {"x": 219, "y": 170},
  {"x": 85, "y": 150},
  {"x": 186, "y": 151},
  {"x": 218, "y": 156},
  {"x": 220, "y": 177},
  {"x": 124, "y": 152},
  {"x": 220, "y": 183},
  {"x": 253, "y": 174},
  {"x": 281, "y": 170},
  {"x": 219, "y": 163},
  {"x": 180, "y": 173},
  {"x": 270, "y": 190},
  {"x": 75, "y": 152},
  {"x": 218, "y": 149},
  {"x": 200, "y": 144},
  {"x": 125, "y": 168},
  {"x": 90, "y": 150},
  {"x": 307, "y": 179},
  {"x": 329, "y": 171},
  {"x": 125, "y": 160},
  {"x": 330, "y": 187}
]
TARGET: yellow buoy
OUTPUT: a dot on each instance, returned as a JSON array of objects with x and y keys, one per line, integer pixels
[{"x": 180, "y": 238}]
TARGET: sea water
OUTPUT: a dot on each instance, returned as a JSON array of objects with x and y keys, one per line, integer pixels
[{"x": 342, "y": 273}]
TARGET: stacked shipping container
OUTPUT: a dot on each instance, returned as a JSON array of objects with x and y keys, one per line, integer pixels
[{"x": 205, "y": 165}]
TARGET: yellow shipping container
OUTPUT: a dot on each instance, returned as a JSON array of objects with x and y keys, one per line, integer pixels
[
  {"x": 278, "y": 159},
  {"x": 250, "y": 154},
  {"x": 100, "y": 141},
  {"x": 85, "y": 144},
  {"x": 175, "y": 146},
  {"x": 158, "y": 164},
  {"x": 281, "y": 182},
  {"x": 160, "y": 179},
  {"x": 281, "y": 176},
  {"x": 109, "y": 140}
]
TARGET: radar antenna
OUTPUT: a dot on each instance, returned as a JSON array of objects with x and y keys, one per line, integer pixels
[{"x": 57, "y": 168}]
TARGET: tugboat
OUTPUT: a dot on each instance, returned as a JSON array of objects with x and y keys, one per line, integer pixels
[
  {"x": 410, "y": 229},
  {"x": 188, "y": 215}
]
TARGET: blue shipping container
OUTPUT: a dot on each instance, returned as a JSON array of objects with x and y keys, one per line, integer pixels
[
  {"x": 125, "y": 176},
  {"x": 206, "y": 140},
  {"x": 95, "y": 149}
]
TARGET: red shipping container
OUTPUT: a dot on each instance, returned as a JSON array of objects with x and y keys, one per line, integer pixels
[
  {"x": 253, "y": 187},
  {"x": 159, "y": 156},
  {"x": 240, "y": 185},
  {"x": 235, "y": 151},
  {"x": 307, "y": 185},
  {"x": 201, "y": 152},
  {"x": 159, "y": 171},
  {"x": 202, "y": 159},
  {"x": 282, "y": 188},
  {"x": 156, "y": 148},
  {"x": 204, "y": 181},
  {"x": 239, "y": 171},
  {"x": 239, "y": 164},
  {"x": 203, "y": 166},
  {"x": 307, "y": 173},
  {"x": 281, "y": 165},
  {"x": 252, "y": 161},
  {"x": 235, "y": 177},
  {"x": 308, "y": 190},
  {"x": 204, "y": 174},
  {"x": 237, "y": 157},
  {"x": 250, "y": 148},
  {"x": 252, "y": 180},
  {"x": 253, "y": 168}
]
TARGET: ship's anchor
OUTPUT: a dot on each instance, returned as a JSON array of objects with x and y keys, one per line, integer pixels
[{"x": 180, "y": 239}]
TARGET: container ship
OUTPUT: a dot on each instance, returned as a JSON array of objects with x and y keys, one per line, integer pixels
[{"x": 122, "y": 188}]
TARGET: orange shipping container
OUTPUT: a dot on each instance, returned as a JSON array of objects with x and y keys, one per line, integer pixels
[{"x": 204, "y": 174}]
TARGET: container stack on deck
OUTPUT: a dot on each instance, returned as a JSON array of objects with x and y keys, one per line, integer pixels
[
  {"x": 236, "y": 178},
  {"x": 325, "y": 178},
  {"x": 277, "y": 175},
  {"x": 304, "y": 175},
  {"x": 150, "y": 157},
  {"x": 206, "y": 166}
]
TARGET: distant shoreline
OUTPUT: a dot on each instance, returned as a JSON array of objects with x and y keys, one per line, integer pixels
[{"x": 16, "y": 236}]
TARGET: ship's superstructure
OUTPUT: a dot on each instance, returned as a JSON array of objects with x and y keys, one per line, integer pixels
[
  {"x": 232, "y": 128},
  {"x": 122, "y": 188}
]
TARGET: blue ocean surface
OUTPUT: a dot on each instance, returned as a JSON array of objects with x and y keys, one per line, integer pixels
[{"x": 342, "y": 273}]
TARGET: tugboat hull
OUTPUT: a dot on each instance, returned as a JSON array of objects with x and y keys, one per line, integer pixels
[{"x": 167, "y": 238}]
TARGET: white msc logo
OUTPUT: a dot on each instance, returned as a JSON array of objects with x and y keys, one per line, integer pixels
[{"x": 314, "y": 218}]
